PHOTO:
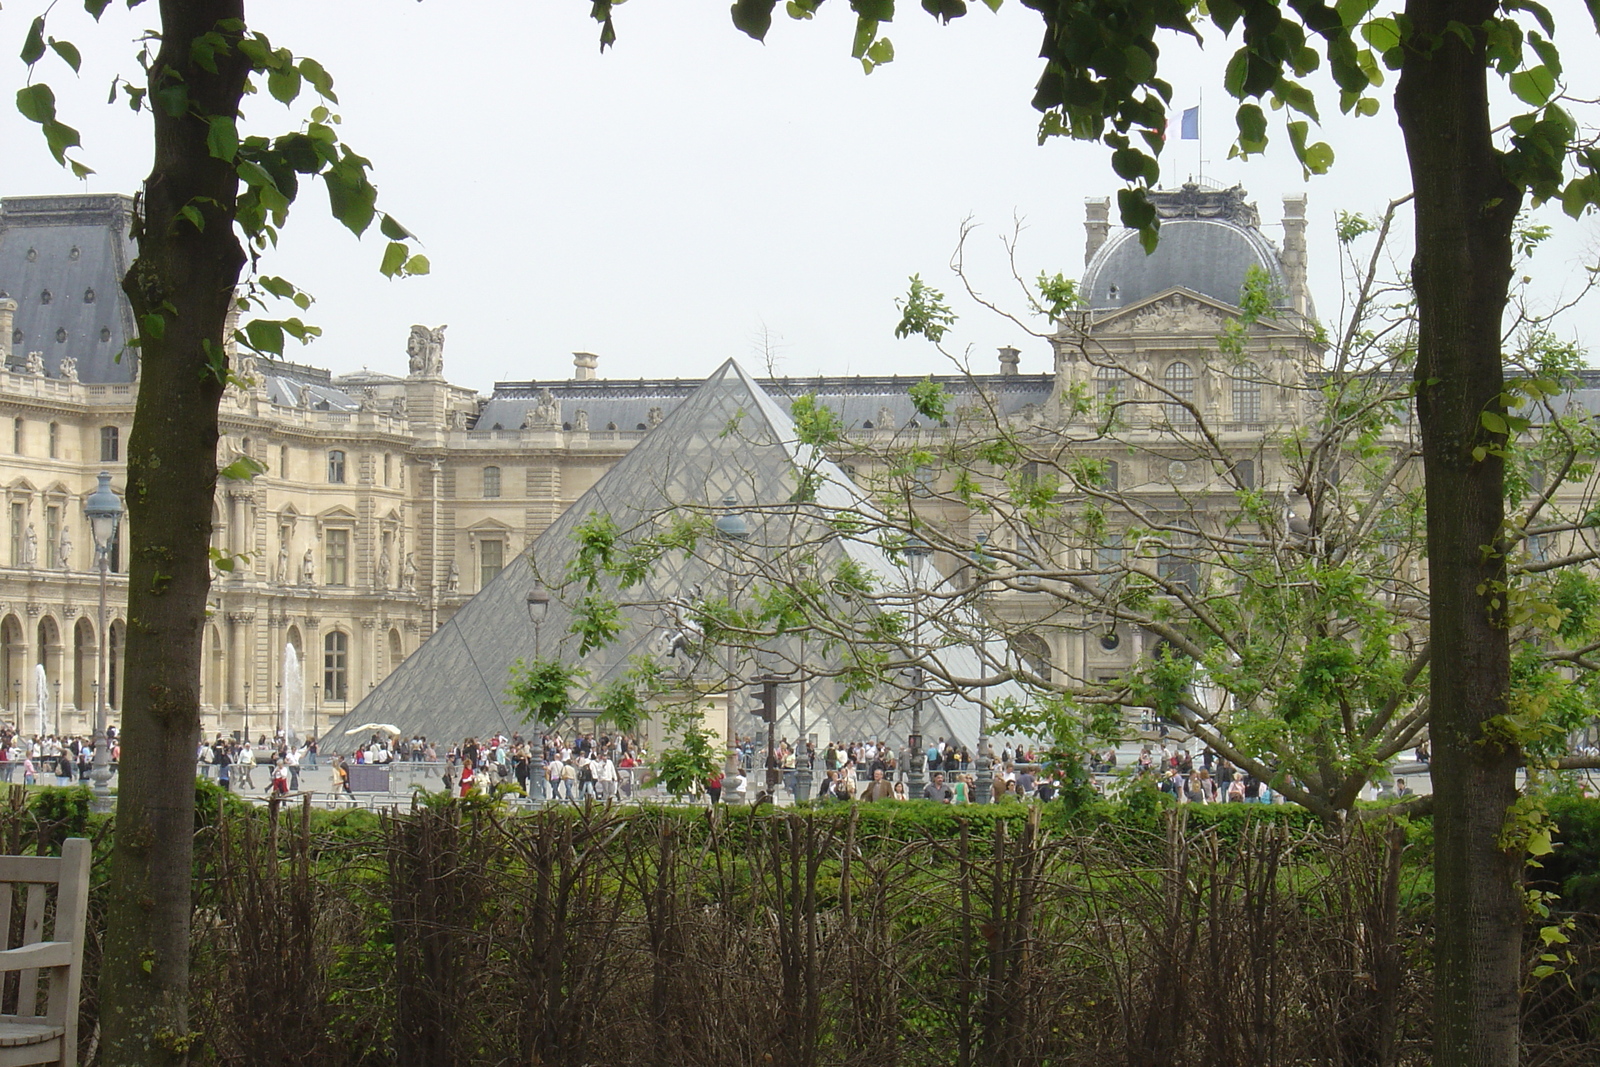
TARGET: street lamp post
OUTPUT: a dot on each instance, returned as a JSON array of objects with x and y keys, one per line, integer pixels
[
  {"x": 538, "y": 608},
  {"x": 731, "y": 527},
  {"x": 16, "y": 701},
  {"x": 104, "y": 512},
  {"x": 247, "y": 713},
  {"x": 58, "y": 707},
  {"x": 917, "y": 552},
  {"x": 316, "y": 709}
]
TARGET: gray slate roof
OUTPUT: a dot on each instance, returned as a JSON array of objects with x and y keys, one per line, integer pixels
[
  {"x": 625, "y": 405},
  {"x": 73, "y": 251}
]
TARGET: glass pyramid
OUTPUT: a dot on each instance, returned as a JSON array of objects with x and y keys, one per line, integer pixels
[{"x": 728, "y": 441}]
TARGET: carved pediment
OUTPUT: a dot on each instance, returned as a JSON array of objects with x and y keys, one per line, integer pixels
[{"x": 1172, "y": 312}]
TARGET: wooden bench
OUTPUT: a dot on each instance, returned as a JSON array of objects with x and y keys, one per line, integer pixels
[{"x": 29, "y": 1035}]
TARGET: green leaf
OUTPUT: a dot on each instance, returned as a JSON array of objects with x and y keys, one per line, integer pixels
[
  {"x": 753, "y": 17},
  {"x": 393, "y": 230},
  {"x": 1382, "y": 34},
  {"x": 284, "y": 84},
  {"x": 264, "y": 335},
  {"x": 418, "y": 264},
  {"x": 96, "y": 7},
  {"x": 1534, "y": 86},
  {"x": 222, "y": 138},
  {"x": 192, "y": 214},
  {"x": 33, "y": 43},
  {"x": 1493, "y": 422},
  {"x": 1318, "y": 157},
  {"x": 68, "y": 53},
  {"x": 154, "y": 324},
  {"x": 36, "y": 102},
  {"x": 394, "y": 259},
  {"x": 60, "y": 137}
]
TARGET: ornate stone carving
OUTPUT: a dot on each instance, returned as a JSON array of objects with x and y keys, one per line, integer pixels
[
  {"x": 34, "y": 610},
  {"x": 64, "y": 548},
  {"x": 1175, "y": 314},
  {"x": 580, "y": 421},
  {"x": 68, "y": 369},
  {"x": 426, "y": 349},
  {"x": 367, "y": 624},
  {"x": 36, "y": 364},
  {"x": 30, "y": 547},
  {"x": 885, "y": 419},
  {"x": 241, "y": 618},
  {"x": 308, "y": 569},
  {"x": 653, "y": 418},
  {"x": 70, "y": 612},
  {"x": 545, "y": 415},
  {"x": 408, "y": 573}
]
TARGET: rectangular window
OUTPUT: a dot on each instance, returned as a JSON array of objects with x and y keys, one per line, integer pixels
[
  {"x": 17, "y": 534},
  {"x": 55, "y": 440},
  {"x": 336, "y": 556},
  {"x": 283, "y": 462},
  {"x": 17, "y": 435},
  {"x": 1245, "y": 472},
  {"x": 109, "y": 444},
  {"x": 336, "y": 467},
  {"x": 1110, "y": 552},
  {"x": 491, "y": 559},
  {"x": 491, "y": 483},
  {"x": 335, "y": 664},
  {"x": 52, "y": 537}
]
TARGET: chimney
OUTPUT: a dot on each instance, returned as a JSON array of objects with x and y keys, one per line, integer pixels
[
  {"x": 8, "y": 323},
  {"x": 583, "y": 365},
  {"x": 1009, "y": 358},
  {"x": 1294, "y": 250},
  {"x": 1096, "y": 225}
]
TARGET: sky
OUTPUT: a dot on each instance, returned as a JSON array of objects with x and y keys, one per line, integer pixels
[{"x": 692, "y": 195}]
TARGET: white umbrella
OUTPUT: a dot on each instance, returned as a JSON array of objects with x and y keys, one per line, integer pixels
[{"x": 393, "y": 730}]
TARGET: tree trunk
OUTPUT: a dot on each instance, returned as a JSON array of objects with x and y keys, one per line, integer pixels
[
  {"x": 180, "y": 287},
  {"x": 1465, "y": 209}
]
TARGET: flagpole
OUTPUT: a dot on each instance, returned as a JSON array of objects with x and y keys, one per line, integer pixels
[{"x": 1200, "y": 134}]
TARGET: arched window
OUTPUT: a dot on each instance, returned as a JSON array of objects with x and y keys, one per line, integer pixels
[
  {"x": 491, "y": 482},
  {"x": 1110, "y": 385},
  {"x": 335, "y": 662},
  {"x": 1033, "y": 654},
  {"x": 396, "y": 649},
  {"x": 1247, "y": 394},
  {"x": 1180, "y": 386},
  {"x": 110, "y": 444},
  {"x": 336, "y": 466}
]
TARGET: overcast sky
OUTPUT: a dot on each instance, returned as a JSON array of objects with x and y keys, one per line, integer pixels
[{"x": 674, "y": 201}]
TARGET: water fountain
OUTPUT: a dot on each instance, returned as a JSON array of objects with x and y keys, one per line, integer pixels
[
  {"x": 41, "y": 687},
  {"x": 294, "y": 693}
]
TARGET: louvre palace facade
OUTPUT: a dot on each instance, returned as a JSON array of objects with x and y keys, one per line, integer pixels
[{"x": 391, "y": 497}]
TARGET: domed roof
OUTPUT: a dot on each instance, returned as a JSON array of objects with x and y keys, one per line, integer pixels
[{"x": 1210, "y": 238}]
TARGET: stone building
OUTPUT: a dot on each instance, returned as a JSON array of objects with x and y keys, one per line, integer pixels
[{"x": 389, "y": 499}]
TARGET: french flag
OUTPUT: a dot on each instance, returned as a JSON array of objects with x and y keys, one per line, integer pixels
[{"x": 1189, "y": 128}]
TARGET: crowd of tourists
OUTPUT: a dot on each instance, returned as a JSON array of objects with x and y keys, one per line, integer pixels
[
  {"x": 233, "y": 762},
  {"x": 46, "y": 759}
]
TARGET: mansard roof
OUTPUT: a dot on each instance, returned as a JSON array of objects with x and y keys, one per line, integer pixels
[
  {"x": 859, "y": 401},
  {"x": 62, "y": 259}
]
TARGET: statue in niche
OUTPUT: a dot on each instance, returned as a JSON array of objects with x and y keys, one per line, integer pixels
[
  {"x": 653, "y": 418},
  {"x": 69, "y": 369},
  {"x": 580, "y": 421},
  {"x": 458, "y": 419},
  {"x": 383, "y": 566},
  {"x": 30, "y": 547},
  {"x": 282, "y": 573},
  {"x": 885, "y": 419},
  {"x": 408, "y": 573},
  {"x": 452, "y": 580},
  {"x": 426, "y": 349},
  {"x": 1286, "y": 372},
  {"x": 1213, "y": 380},
  {"x": 308, "y": 569},
  {"x": 1141, "y": 385},
  {"x": 64, "y": 548}
]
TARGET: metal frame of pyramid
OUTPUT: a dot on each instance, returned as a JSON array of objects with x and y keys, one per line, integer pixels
[{"x": 728, "y": 439}]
